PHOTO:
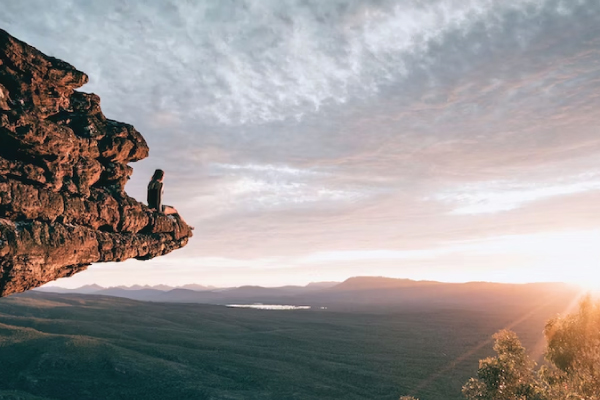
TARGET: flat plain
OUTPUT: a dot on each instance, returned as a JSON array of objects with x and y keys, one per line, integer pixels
[{"x": 74, "y": 346}]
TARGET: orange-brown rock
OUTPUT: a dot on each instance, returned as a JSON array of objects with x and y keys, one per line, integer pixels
[{"x": 63, "y": 170}]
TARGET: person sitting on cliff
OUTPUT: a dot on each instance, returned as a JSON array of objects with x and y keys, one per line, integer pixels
[{"x": 155, "y": 191}]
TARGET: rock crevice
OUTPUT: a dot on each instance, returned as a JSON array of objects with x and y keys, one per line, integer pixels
[{"x": 63, "y": 170}]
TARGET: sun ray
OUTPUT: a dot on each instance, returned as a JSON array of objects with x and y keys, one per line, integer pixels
[{"x": 452, "y": 364}]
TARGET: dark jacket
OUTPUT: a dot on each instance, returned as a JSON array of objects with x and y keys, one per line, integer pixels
[{"x": 155, "y": 189}]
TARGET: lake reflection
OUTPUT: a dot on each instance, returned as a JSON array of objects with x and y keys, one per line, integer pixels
[{"x": 269, "y": 306}]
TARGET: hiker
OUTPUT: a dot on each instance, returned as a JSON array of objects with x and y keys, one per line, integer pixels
[{"x": 155, "y": 191}]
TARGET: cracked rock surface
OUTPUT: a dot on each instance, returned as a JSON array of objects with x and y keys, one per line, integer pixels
[{"x": 63, "y": 169}]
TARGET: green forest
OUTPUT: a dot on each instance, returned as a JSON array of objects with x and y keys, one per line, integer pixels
[{"x": 73, "y": 346}]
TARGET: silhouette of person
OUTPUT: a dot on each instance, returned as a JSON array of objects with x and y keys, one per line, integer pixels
[{"x": 155, "y": 192}]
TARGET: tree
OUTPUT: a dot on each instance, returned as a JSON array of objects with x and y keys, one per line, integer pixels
[
  {"x": 572, "y": 370},
  {"x": 507, "y": 376},
  {"x": 573, "y": 353},
  {"x": 573, "y": 363}
]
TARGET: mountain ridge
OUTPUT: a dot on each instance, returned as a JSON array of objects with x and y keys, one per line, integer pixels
[{"x": 359, "y": 292}]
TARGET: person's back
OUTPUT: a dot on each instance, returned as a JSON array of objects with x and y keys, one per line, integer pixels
[{"x": 155, "y": 188}]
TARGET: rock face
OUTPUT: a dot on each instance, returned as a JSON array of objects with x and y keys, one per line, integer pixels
[{"x": 63, "y": 168}]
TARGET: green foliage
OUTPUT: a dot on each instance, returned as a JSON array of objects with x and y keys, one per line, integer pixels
[
  {"x": 508, "y": 376},
  {"x": 573, "y": 356}
]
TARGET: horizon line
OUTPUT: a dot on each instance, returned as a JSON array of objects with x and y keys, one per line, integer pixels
[{"x": 213, "y": 287}]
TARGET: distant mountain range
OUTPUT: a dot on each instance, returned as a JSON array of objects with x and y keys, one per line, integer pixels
[
  {"x": 88, "y": 289},
  {"x": 354, "y": 293}
]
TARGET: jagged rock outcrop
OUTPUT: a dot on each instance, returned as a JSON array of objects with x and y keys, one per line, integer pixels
[{"x": 63, "y": 168}]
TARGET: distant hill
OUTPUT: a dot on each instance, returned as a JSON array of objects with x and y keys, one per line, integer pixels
[
  {"x": 139, "y": 294},
  {"x": 196, "y": 287},
  {"x": 259, "y": 291},
  {"x": 97, "y": 289},
  {"x": 353, "y": 294},
  {"x": 164, "y": 288},
  {"x": 379, "y": 282},
  {"x": 321, "y": 285},
  {"x": 189, "y": 292},
  {"x": 190, "y": 296},
  {"x": 87, "y": 289}
]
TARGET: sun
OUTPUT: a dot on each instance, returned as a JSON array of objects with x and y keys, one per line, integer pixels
[{"x": 591, "y": 284}]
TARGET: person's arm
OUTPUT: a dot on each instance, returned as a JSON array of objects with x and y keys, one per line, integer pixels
[
  {"x": 159, "y": 192},
  {"x": 150, "y": 195}
]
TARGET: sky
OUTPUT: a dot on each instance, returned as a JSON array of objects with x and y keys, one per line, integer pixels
[{"x": 312, "y": 140}]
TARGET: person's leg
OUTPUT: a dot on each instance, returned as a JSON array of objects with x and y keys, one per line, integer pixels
[{"x": 169, "y": 210}]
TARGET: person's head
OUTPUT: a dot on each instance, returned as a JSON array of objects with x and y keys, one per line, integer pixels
[{"x": 158, "y": 175}]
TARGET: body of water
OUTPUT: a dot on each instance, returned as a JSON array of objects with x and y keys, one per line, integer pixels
[{"x": 269, "y": 306}]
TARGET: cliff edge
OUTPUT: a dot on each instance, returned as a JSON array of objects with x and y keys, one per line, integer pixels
[{"x": 63, "y": 169}]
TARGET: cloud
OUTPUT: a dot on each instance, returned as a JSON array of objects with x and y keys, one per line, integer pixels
[
  {"x": 260, "y": 187},
  {"x": 268, "y": 169},
  {"x": 290, "y": 128},
  {"x": 248, "y": 62},
  {"x": 492, "y": 197}
]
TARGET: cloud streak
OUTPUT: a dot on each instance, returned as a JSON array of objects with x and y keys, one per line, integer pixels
[
  {"x": 253, "y": 62},
  {"x": 292, "y": 128},
  {"x": 492, "y": 197}
]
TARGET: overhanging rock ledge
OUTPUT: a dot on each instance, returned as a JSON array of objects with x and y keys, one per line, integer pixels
[{"x": 63, "y": 169}]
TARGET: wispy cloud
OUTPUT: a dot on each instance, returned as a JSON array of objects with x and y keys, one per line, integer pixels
[
  {"x": 260, "y": 61},
  {"x": 491, "y": 197},
  {"x": 266, "y": 169},
  {"x": 263, "y": 187},
  {"x": 302, "y": 128}
]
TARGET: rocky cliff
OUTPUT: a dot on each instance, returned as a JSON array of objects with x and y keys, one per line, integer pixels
[{"x": 63, "y": 169}]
